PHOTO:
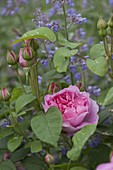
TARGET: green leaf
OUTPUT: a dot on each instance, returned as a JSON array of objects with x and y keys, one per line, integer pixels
[
  {"x": 78, "y": 168},
  {"x": 64, "y": 42},
  {"x": 51, "y": 75},
  {"x": 102, "y": 96},
  {"x": 14, "y": 142},
  {"x": 5, "y": 132},
  {"x": 33, "y": 163},
  {"x": 42, "y": 32},
  {"x": 98, "y": 66},
  {"x": 61, "y": 58},
  {"x": 23, "y": 101},
  {"x": 19, "y": 154},
  {"x": 79, "y": 139},
  {"x": 35, "y": 146},
  {"x": 47, "y": 127},
  {"x": 15, "y": 94},
  {"x": 99, "y": 155},
  {"x": 97, "y": 51},
  {"x": 7, "y": 165},
  {"x": 109, "y": 97}
]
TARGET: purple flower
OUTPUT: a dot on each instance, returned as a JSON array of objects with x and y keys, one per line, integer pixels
[{"x": 106, "y": 166}]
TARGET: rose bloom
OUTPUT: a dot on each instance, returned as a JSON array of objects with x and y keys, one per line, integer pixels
[
  {"x": 106, "y": 166},
  {"x": 77, "y": 108}
]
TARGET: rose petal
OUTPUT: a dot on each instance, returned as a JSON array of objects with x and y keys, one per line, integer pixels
[{"x": 105, "y": 166}]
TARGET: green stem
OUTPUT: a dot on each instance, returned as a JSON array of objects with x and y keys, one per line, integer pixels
[
  {"x": 106, "y": 46},
  {"x": 65, "y": 21},
  {"x": 72, "y": 79},
  {"x": 20, "y": 80},
  {"x": 68, "y": 167},
  {"x": 111, "y": 41}
]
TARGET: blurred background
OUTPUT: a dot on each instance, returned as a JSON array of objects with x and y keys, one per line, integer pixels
[{"x": 19, "y": 16}]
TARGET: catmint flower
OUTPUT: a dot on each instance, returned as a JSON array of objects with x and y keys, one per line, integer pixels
[
  {"x": 5, "y": 94},
  {"x": 54, "y": 26},
  {"x": 94, "y": 90},
  {"x": 45, "y": 62},
  {"x": 77, "y": 19},
  {"x": 94, "y": 141},
  {"x": 72, "y": 68},
  {"x": 11, "y": 57},
  {"x": 77, "y": 76},
  {"x": 111, "y": 2}
]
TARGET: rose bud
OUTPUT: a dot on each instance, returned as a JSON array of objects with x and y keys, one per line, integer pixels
[
  {"x": 12, "y": 59},
  {"x": 53, "y": 87},
  {"x": 49, "y": 159},
  {"x": 24, "y": 63},
  {"x": 6, "y": 155},
  {"x": 32, "y": 43},
  {"x": 28, "y": 53},
  {"x": 101, "y": 23},
  {"x": 5, "y": 94},
  {"x": 102, "y": 32},
  {"x": 110, "y": 22}
]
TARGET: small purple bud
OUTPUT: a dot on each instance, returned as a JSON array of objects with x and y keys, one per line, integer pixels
[
  {"x": 12, "y": 59},
  {"x": 5, "y": 94}
]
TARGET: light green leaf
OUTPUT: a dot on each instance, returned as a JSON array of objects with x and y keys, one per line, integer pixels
[
  {"x": 47, "y": 127},
  {"x": 78, "y": 168},
  {"x": 61, "y": 58},
  {"x": 23, "y": 101},
  {"x": 42, "y": 32},
  {"x": 98, "y": 66},
  {"x": 7, "y": 165},
  {"x": 79, "y": 139},
  {"x": 14, "y": 142},
  {"x": 97, "y": 51},
  {"x": 15, "y": 94},
  {"x": 64, "y": 42},
  {"x": 102, "y": 96},
  {"x": 109, "y": 97},
  {"x": 51, "y": 75},
  {"x": 36, "y": 146}
]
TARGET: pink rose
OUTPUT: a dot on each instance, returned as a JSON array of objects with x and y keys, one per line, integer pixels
[
  {"x": 106, "y": 166},
  {"x": 78, "y": 109}
]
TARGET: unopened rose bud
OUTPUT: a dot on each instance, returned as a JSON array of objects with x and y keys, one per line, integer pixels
[
  {"x": 49, "y": 159},
  {"x": 12, "y": 59},
  {"x": 102, "y": 32},
  {"x": 24, "y": 63},
  {"x": 5, "y": 94},
  {"x": 6, "y": 155},
  {"x": 28, "y": 53},
  {"x": 34, "y": 45},
  {"x": 110, "y": 22},
  {"x": 53, "y": 87},
  {"x": 101, "y": 24},
  {"x": 108, "y": 31}
]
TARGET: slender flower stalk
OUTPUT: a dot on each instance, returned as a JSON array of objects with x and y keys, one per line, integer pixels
[{"x": 20, "y": 81}]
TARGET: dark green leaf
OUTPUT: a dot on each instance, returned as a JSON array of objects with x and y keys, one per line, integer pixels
[
  {"x": 97, "y": 51},
  {"x": 34, "y": 163},
  {"x": 5, "y": 132},
  {"x": 98, "y": 66},
  {"x": 14, "y": 142},
  {"x": 61, "y": 58},
  {"x": 102, "y": 96},
  {"x": 23, "y": 101},
  {"x": 35, "y": 146},
  {"x": 42, "y": 32},
  {"x": 79, "y": 139},
  {"x": 19, "y": 154},
  {"x": 109, "y": 97},
  {"x": 15, "y": 94},
  {"x": 47, "y": 127},
  {"x": 7, "y": 165}
]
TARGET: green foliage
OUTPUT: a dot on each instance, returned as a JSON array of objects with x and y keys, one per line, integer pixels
[
  {"x": 23, "y": 100},
  {"x": 34, "y": 163},
  {"x": 52, "y": 75},
  {"x": 78, "y": 168},
  {"x": 47, "y": 127},
  {"x": 42, "y": 32},
  {"x": 14, "y": 142},
  {"x": 97, "y": 51},
  {"x": 61, "y": 58},
  {"x": 79, "y": 139},
  {"x": 98, "y": 66},
  {"x": 106, "y": 98},
  {"x": 6, "y": 132},
  {"x": 35, "y": 146},
  {"x": 66, "y": 43},
  {"x": 7, "y": 165}
]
